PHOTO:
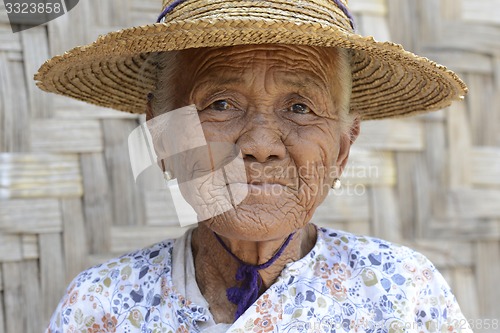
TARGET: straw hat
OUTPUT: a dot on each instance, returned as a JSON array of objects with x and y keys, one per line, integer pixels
[{"x": 113, "y": 72}]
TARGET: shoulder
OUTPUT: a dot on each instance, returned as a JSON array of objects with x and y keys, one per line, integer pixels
[
  {"x": 127, "y": 269},
  {"x": 393, "y": 274},
  {"x": 131, "y": 280},
  {"x": 366, "y": 251},
  {"x": 381, "y": 262}
]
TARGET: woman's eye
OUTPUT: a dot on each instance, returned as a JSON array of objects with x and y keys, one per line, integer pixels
[
  {"x": 299, "y": 108},
  {"x": 221, "y": 105}
]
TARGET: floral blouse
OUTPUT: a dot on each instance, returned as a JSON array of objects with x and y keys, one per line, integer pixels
[{"x": 346, "y": 283}]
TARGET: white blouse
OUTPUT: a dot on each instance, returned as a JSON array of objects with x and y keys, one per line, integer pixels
[{"x": 346, "y": 283}]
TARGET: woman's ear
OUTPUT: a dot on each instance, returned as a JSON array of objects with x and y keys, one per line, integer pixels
[
  {"x": 149, "y": 109},
  {"x": 346, "y": 142},
  {"x": 355, "y": 129}
]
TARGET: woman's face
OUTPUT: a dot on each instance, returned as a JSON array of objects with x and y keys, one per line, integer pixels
[{"x": 280, "y": 105}]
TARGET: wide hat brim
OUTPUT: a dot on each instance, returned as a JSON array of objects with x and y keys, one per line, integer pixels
[{"x": 114, "y": 72}]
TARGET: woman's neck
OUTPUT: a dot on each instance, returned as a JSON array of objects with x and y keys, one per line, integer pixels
[{"x": 216, "y": 268}]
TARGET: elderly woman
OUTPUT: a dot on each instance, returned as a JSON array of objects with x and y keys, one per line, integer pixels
[{"x": 285, "y": 85}]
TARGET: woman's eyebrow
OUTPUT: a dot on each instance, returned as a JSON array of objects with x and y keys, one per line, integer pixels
[
  {"x": 215, "y": 76},
  {"x": 304, "y": 82},
  {"x": 214, "y": 81},
  {"x": 225, "y": 80}
]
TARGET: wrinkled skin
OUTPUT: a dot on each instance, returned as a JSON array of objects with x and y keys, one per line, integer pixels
[{"x": 280, "y": 105}]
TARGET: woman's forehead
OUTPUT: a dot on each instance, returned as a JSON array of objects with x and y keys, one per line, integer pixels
[
  {"x": 299, "y": 66},
  {"x": 291, "y": 56}
]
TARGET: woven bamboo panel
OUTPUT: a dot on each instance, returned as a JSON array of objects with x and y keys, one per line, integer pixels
[{"x": 68, "y": 199}]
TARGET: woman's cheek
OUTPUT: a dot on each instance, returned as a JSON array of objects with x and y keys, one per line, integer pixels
[
  {"x": 226, "y": 131},
  {"x": 315, "y": 158}
]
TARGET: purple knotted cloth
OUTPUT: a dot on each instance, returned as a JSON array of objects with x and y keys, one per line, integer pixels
[{"x": 245, "y": 295}]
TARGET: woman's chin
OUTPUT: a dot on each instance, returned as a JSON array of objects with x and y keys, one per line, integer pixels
[{"x": 254, "y": 222}]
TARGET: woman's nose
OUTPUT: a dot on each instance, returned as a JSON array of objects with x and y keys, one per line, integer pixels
[{"x": 262, "y": 143}]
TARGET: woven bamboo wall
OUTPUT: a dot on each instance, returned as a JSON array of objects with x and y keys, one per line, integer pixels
[{"x": 68, "y": 199}]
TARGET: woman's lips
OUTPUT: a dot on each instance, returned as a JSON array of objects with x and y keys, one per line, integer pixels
[{"x": 265, "y": 185}]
